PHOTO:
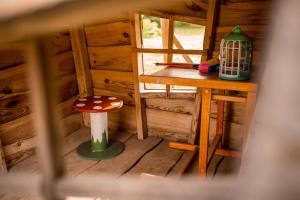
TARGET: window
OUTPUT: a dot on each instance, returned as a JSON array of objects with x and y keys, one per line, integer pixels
[{"x": 166, "y": 32}]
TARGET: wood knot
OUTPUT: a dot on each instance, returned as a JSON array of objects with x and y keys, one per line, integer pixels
[
  {"x": 6, "y": 90},
  {"x": 193, "y": 6},
  {"x": 12, "y": 104},
  {"x": 125, "y": 34},
  {"x": 106, "y": 81}
]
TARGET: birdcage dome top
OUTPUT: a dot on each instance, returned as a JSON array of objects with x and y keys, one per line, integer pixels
[{"x": 236, "y": 35}]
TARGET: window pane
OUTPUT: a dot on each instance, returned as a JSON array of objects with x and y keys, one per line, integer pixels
[
  {"x": 151, "y": 32},
  {"x": 189, "y": 35},
  {"x": 180, "y": 58},
  {"x": 149, "y": 60}
]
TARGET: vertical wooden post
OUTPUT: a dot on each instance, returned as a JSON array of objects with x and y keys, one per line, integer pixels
[
  {"x": 44, "y": 100},
  {"x": 195, "y": 118},
  {"x": 3, "y": 167},
  {"x": 211, "y": 19},
  {"x": 82, "y": 65},
  {"x": 167, "y": 26},
  {"x": 204, "y": 130},
  {"x": 137, "y": 62}
]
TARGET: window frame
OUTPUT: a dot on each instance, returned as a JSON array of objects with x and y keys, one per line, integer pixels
[{"x": 169, "y": 41}]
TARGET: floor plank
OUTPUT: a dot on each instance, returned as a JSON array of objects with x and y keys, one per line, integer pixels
[
  {"x": 178, "y": 170},
  {"x": 134, "y": 150},
  {"x": 31, "y": 164},
  {"x": 75, "y": 165},
  {"x": 157, "y": 162}
]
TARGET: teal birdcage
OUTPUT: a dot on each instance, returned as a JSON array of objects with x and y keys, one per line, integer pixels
[{"x": 235, "y": 56}]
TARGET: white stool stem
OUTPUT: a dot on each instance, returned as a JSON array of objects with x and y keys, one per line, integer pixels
[{"x": 99, "y": 131}]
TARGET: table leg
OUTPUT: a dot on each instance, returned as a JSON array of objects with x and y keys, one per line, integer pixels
[{"x": 204, "y": 131}]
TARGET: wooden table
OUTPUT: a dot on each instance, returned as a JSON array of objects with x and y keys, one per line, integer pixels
[{"x": 207, "y": 83}]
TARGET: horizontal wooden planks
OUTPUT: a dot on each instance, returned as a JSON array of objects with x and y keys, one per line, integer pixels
[
  {"x": 70, "y": 143},
  {"x": 111, "y": 34},
  {"x": 67, "y": 87},
  {"x": 13, "y": 106},
  {"x": 158, "y": 162},
  {"x": 249, "y": 12},
  {"x": 75, "y": 165},
  {"x": 13, "y": 53},
  {"x": 112, "y": 58},
  {"x": 112, "y": 80},
  {"x": 169, "y": 125},
  {"x": 123, "y": 119},
  {"x": 134, "y": 150},
  {"x": 184, "y": 106},
  {"x": 127, "y": 97},
  {"x": 17, "y": 151},
  {"x": 18, "y": 104},
  {"x": 21, "y": 128}
]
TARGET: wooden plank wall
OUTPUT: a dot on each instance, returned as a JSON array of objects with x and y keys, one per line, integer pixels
[
  {"x": 111, "y": 69},
  {"x": 16, "y": 123},
  {"x": 109, "y": 49}
]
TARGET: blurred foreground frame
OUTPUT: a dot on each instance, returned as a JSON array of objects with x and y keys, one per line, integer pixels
[{"x": 271, "y": 167}]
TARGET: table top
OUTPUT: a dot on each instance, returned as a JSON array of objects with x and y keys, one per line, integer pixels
[
  {"x": 191, "y": 77},
  {"x": 97, "y": 104}
]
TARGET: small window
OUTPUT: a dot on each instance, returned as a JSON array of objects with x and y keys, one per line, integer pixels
[
  {"x": 155, "y": 35},
  {"x": 190, "y": 36}
]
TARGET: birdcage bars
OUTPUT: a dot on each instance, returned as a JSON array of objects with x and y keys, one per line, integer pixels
[{"x": 235, "y": 56}]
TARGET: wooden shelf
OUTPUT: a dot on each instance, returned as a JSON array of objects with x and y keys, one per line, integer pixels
[{"x": 191, "y": 77}]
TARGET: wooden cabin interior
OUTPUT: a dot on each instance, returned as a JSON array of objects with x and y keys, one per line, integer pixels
[{"x": 169, "y": 132}]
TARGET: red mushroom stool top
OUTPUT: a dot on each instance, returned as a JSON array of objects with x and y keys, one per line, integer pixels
[{"x": 95, "y": 104}]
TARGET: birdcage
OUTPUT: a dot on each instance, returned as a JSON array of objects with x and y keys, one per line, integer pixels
[{"x": 235, "y": 56}]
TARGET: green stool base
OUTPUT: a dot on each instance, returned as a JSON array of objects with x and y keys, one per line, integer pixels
[{"x": 114, "y": 148}]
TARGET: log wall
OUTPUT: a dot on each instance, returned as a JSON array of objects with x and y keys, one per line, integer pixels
[
  {"x": 111, "y": 70},
  {"x": 16, "y": 122}
]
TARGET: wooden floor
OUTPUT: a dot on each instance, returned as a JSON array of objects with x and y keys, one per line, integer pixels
[{"x": 150, "y": 156}]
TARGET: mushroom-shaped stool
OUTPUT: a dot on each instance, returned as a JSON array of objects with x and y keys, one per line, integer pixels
[{"x": 99, "y": 147}]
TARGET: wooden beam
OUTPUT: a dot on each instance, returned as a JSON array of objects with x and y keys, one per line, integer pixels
[
  {"x": 47, "y": 19},
  {"x": 176, "y": 17},
  {"x": 212, "y": 12},
  {"x": 44, "y": 98},
  {"x": 173, "y": 51},
  {"x": 245, "y": 28},
  {"x": 3, "y": 167},
  {"x": 182, "y": 146},
  {"x": 203, "y": 144},
  {"x": 229, "y": 98},
  {"x": 82, "y": 65},
  {"x": 137, "y": 62},
  {"x": 228, "y": 153},
  {"x": 167, "y": 29}
]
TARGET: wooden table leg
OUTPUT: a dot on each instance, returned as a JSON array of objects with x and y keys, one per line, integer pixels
[
  {"x": 251, "y": 97},
  {"x": 204, "y": 131}
]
